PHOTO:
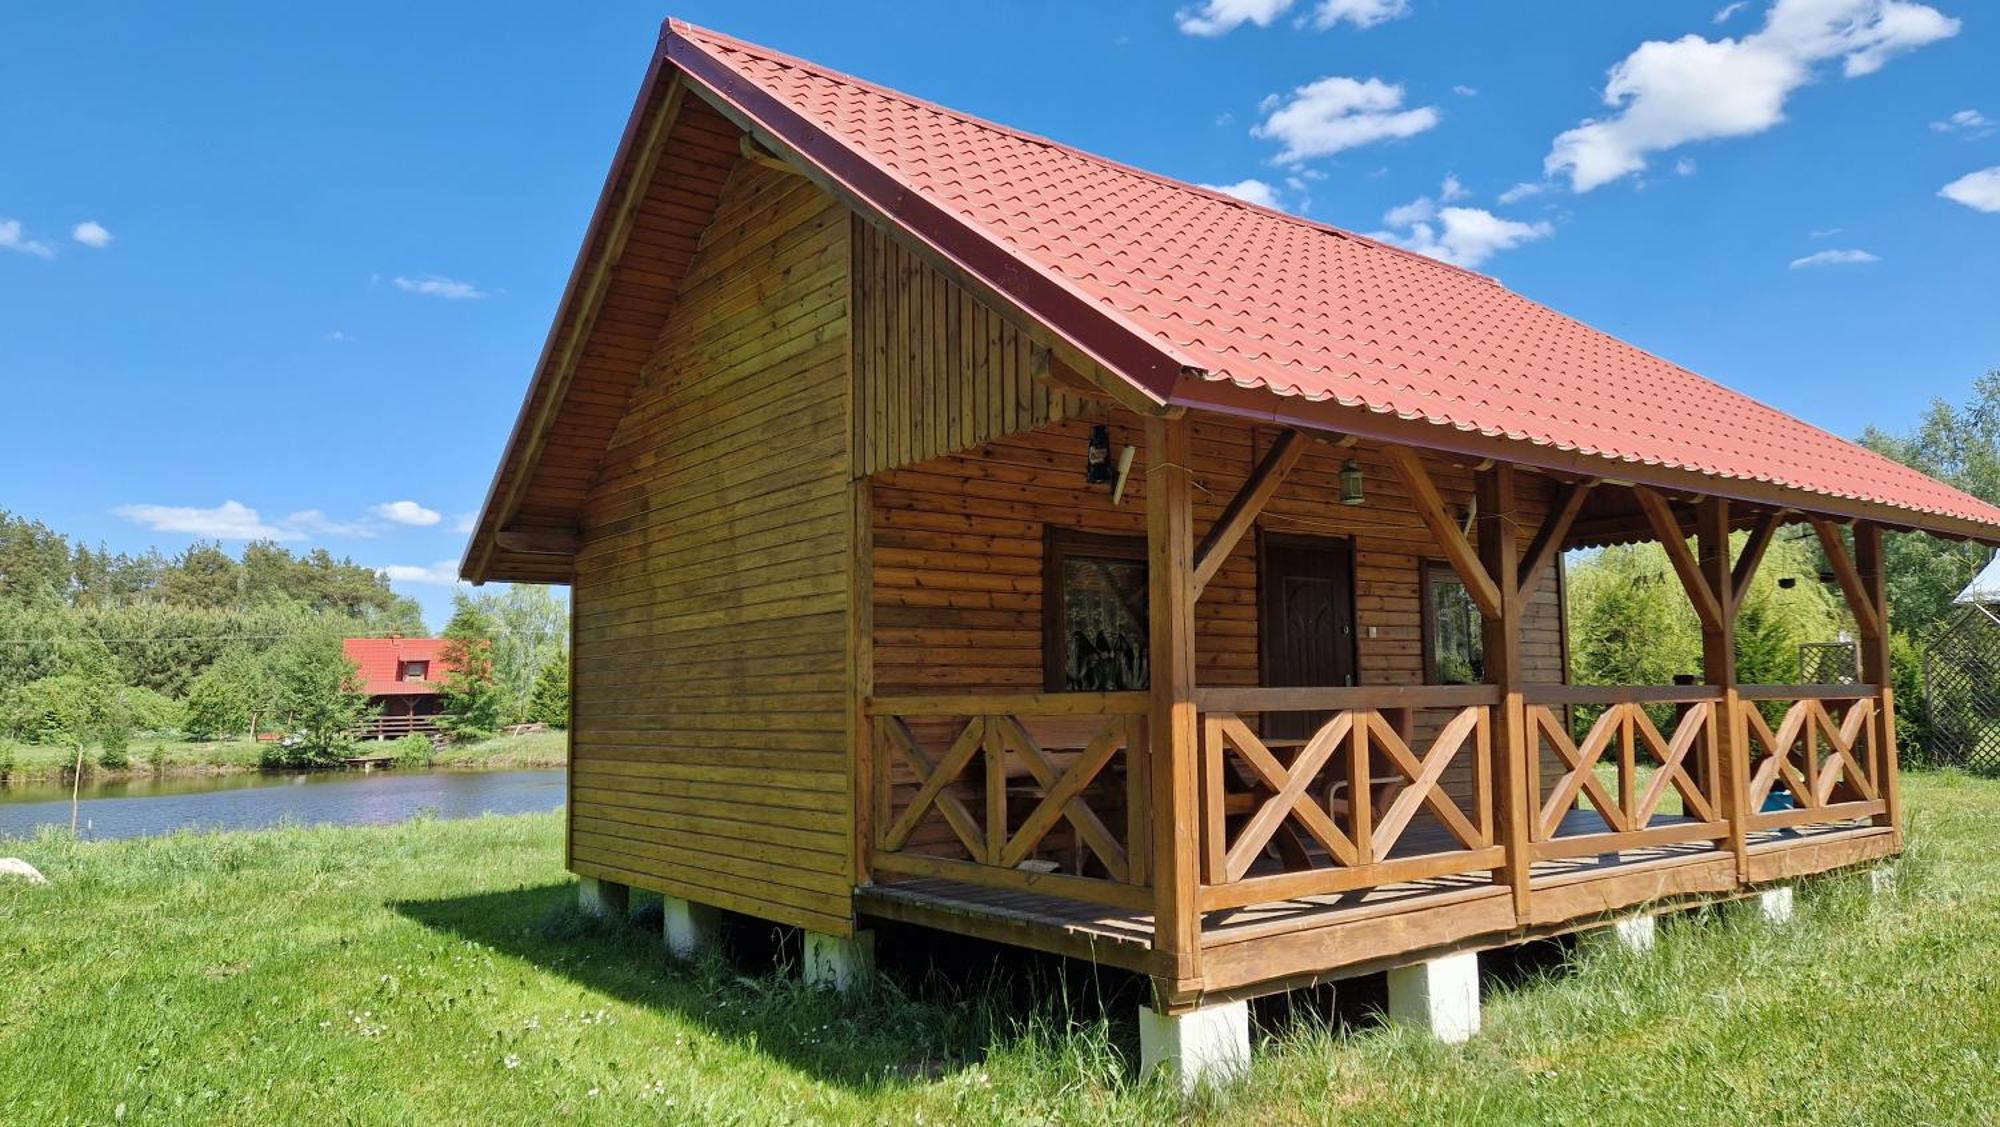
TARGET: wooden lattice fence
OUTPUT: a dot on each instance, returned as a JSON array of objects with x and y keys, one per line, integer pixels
[{"x": 1962, "y": 680}]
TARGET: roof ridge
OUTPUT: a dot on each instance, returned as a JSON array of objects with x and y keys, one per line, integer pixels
[{"x": 684, "y": 28}]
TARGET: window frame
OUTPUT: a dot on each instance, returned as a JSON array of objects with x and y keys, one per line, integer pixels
[
  {"x": 1427, "y": 644},
  {"x": 421, "y": 669},
  {"x": 1060, "y": 545}
]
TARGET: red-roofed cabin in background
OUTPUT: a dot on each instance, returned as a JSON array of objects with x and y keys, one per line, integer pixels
[
  {"x": 402, "y": 677},
  {"x": 972, "y": 532}
]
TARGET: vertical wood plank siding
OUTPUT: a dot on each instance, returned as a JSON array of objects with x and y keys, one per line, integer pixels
[
  {"x": 711, "y": 756},
  {"x": 936, "y": 371},
  {"x": 959, "y": 541}
]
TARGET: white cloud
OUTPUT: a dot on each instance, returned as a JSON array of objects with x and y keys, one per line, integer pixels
[
  {"x": 432, "y": 285},
  {"x": 1522, "y": 191},
  {"x": 1465, "y": 91},
  {"x": 407, "y": 512},
  {"x": 1463, "y": 236},
  {"x": 1220, "y": 17},
  {"x": 443, "y": 573},
  {"x": 1969, "y": 122},
  {"x": 1685, "y": 167},
  {"x": 1826, "y": 232},
  {"x": 313, "y": 522},
  {"x": 91, "y": 233},
  {"x": 1249, "y": 191},
  {"x": 1728, "y": 11},
  {"x": 337, "y": 337},
  {"x": 231, "y": 520},
  {"x": 1977, "y": 190},
  {"x": 1834, "y": 258},
  {"x": 1361, "y": 13},
  {"x": 1338, "y": 113},
  {"x": 12, "y": 237},
  {"x": 1452, "y": 190},
  {"x": 1423, "y": 209},
  {"x": 465, "y": 522},
  {"x": 1667, "y": 94}
]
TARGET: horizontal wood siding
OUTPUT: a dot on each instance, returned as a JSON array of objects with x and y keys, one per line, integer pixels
[
  {"x": 958, "y": 545},
  {"x": 936, "y": 371},
  {"x": 710, "y": 739}
]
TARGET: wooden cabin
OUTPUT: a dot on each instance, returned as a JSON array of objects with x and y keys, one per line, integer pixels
[
  {"x": 972, "y": 532},
  {"x": 404, "y": 680}
]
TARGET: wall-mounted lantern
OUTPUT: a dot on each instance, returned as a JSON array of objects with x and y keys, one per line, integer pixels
[
  {"x": 1097, "y": 459},
  {"x": 1351, "y": 492}
]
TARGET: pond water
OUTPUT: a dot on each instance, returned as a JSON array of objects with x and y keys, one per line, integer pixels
[{"x": 143, "y": 806}]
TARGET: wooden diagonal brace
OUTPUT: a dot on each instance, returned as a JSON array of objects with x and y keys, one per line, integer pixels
[
  {"x": 1450, "y": 538},
  {"x": 1549, "y": 541},
  {"x": 1865, "y": 617},
  {"x": 1765, "y": 531},
  {"x": 1667, "y": 529},
  {"x": 1243, "y": 508}
]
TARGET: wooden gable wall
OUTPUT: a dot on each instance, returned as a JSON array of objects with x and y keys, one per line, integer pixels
[{"x": 710, "y": 741}]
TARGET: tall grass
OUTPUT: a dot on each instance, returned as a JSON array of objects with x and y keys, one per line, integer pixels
[{"x": 437, "y": 971}]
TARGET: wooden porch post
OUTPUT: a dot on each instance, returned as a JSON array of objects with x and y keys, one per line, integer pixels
[
  {"x": 1499, "y": 555},
  {"x": 1172, "y": 727},
  {"x": 1875, "y": 671},
  {"x": 1730, "y": 733}
]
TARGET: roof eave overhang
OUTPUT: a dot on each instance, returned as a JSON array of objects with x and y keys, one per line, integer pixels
[{"x": 1259, "y": 404}]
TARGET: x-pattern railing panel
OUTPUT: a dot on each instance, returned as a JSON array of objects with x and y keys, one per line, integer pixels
[
  {"x": 1790, "y": 754},
  {"x": 1627, "y": 726},
  {"x": 1017, "y": 765}
]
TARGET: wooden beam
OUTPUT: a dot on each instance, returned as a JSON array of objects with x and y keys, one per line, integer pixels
[
  {"x": 1065, "y": 368},
  {"x": 1242, "y": 511},
  {"x": 1859, "y": 600},
  {"x": 1667, "y": 529},
  {"x": 1868, "y": 568},
  {"x": 1548, "y": 543},
  {"x": 538, "y": 541},
  {"x": 1479, "y": 584},
  {"x": 757, "y": 154},
  {"x": 1760, "y": 539},
  {"x": 1173, "y": 725},
  {"x": 589, "y": 301},
  {"x": 1499, "y": 559}
]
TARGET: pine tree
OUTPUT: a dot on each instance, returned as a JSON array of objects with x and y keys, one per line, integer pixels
[
  {"x": 548, "y": 700},
  {"x": 473, "y": 701}
]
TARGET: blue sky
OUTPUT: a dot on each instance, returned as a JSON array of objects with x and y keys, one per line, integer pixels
[{"x": 302, "y": 261}]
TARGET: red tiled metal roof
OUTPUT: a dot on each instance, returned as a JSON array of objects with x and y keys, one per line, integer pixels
[
  {"x": 1196, "y": 297},
  {"x": 381, "y": 661}
]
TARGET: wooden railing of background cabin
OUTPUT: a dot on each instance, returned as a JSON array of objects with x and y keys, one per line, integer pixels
[{"x": 1045, "y": 748}]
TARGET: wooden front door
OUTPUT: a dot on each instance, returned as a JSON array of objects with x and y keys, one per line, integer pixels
[{"x": 1305, "y": 626}]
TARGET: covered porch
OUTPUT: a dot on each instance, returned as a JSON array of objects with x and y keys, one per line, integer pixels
[{"x": 1234, "y": 839}]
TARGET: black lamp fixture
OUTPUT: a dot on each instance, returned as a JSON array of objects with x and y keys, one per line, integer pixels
[
  {"x": 1351, "y": 492},
  {"x": 1097, "y": 459}
]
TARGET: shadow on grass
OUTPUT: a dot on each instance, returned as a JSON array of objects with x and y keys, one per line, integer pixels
[{"x": 940, "y": 1004}]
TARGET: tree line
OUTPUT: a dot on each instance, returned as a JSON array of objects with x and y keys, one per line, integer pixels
[{"x": 97, "y": 647}]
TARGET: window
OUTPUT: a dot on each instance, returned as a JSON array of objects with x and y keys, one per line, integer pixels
[
  {"x": 1452, "y": 626},
  {"x": 1094, "y": 613},
  {"x": 415, "y": 671}
]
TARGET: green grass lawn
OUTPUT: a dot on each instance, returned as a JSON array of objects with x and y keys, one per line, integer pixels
[{"x": 435, "y": 971}]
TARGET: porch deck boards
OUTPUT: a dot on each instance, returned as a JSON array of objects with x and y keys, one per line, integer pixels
[{"x": 1123, "y": 938}]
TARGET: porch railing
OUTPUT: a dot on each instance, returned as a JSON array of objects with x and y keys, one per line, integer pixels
[
  {"x": 1572, "y": 811},
  {"x": 1059, "y": 782},
  {"x": 1052, "y": 792},
  {"x": 1334, "y": 811},
  {"x": 1823, "y": 762}
]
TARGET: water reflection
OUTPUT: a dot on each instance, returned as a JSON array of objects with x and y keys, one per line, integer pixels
[{"x": 145, "y": 805}]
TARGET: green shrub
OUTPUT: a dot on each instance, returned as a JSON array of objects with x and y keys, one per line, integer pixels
[
  {"x": 7, "y": 754},
  {"x": 414, "y": 751},
  {"x": 319, "y": 690},
  {"x": 156, "y": 757},
  {"x": 114, "y": 750}
]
